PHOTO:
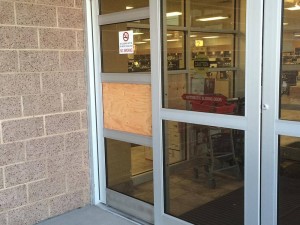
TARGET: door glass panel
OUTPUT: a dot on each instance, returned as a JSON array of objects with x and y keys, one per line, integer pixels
[
  {"x": 207, "y": 187},
  {"x": 108, "y": 6},
  {"x": 129, "y": 169},
  {"x": 289, "y": 77},
  {"x": 139, "y": 61},
  {"x": 214, "y": 58},
  {"x": 289, "y": 181}
]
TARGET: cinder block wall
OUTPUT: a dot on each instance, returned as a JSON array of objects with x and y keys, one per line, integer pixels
[{"x": 43, "y": 124}]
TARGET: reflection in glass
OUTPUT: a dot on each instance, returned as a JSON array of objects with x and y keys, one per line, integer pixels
[
  {"x": 108, "y": 6},
  {"x": 137, "y": 62},
  {"x": 289, "y": 181},
  {"x": 289, "y": 77},
  {"x": 129, "y": 168},
  {"x": 209, "y": 182}
]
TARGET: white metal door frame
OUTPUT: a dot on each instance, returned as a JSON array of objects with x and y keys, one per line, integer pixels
[{"x": 250, "y": 123}]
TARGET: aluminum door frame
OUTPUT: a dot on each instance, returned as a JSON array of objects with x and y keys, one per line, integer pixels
[{"x": 250, "y": 123}]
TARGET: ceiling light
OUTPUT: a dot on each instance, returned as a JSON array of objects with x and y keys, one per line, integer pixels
[
  {"x": 193, "y": 35},
  {"x": 296, "y": 7},
  {"x": 297, "y": 34},
  {"x": 129, "y": 7},
  {"x": 170, "y": 14},
  {"x": 147, "y": 39},
  {"x": 140, "y": 42},
  {"x": 212, "y": 18},
  {"x": 284, "y": 24},
  {"x": 171, "y": 40},
  {"x": 168, "y": 35},
  {"x": 209, "y": 37},
  {"x": 138, "y": 33}
]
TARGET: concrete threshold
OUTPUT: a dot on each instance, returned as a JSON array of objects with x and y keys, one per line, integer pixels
[{"x": 90, "y": 215}]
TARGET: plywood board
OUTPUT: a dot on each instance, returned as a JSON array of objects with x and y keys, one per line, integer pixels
[{"x": 127, "y": 107}]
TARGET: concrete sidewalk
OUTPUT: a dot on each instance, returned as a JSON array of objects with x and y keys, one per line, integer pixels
[{"x": 89, "y": 215}]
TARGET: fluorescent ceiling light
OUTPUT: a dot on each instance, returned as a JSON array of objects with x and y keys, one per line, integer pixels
[
  {"x": 168, "y": 35},
  {"x": 209, "y": 37},
  {"x": 171, "y": 40},
  {"x": 212, "y": 18},
  {"x": 170, "y": 14},
  {"x": 296, "y": 7},
  {"x": 193, "y": 35},
  {"x": 284, "y": 24},
  {"x": 138, "y": 33},
  {"x": 129, "y": 7},
  {"x": 147, "y": 39},
  {"x": 140, "y": 42},
  {"x": 297, "y": 34}
]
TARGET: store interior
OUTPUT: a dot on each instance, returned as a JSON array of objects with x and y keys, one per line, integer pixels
[{"x": 204, "y": 55}]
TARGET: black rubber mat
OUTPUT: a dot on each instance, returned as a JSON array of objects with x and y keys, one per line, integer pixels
[{"x": 229, "y": 209}]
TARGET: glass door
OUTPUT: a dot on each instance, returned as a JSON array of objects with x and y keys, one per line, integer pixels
[
  {"x": 280, "y": 114},
  {"x": 206, "y": 111},
  {"x": 125, "y": 87}
]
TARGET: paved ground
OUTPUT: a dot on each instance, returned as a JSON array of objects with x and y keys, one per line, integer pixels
[{"x": 90, "y": 215}]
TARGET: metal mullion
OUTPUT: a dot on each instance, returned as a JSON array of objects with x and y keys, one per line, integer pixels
[
  {"x": 124, "y": 16},
  {"x": 193, "y": 29},
  {"x": 138, "y": 25},
  {"x": 156, "y": 71},
  {"x": 253, "y": 73},
  {"x": 129, "y": 78},
  {"x": 271, "y": 73},
  {"x": 95, "y": 103},
  {"x": 208, "y": 119},
  {"x": 176, "y": 28},
  {"x": 287, "y": 128}
]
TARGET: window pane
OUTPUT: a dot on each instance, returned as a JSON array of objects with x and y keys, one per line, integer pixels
[
  {"x": 213, "y": 55},
  {"x": 289, "y": 181},
  {"x": 289, "y": 79},
  {"x": 213, "y": 14},
  {"x": 129, "y": 169},
  {"x": 139, "y": 61},
  {"x": 208, "y": 181},
  {"x": 175, "y": 12},
  {"x": 108, "y": 6}
]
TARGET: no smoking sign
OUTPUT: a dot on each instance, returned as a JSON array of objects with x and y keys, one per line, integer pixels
[{"x": 126, "y": 42}]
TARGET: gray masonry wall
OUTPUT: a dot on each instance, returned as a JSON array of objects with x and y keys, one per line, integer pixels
[{"x": 43, "y": 124}]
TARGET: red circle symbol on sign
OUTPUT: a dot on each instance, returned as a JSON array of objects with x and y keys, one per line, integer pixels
[{"x": 125, "y": 36}]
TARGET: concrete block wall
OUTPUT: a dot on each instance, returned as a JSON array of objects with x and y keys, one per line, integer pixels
[{"x": 43, "y": 129}]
